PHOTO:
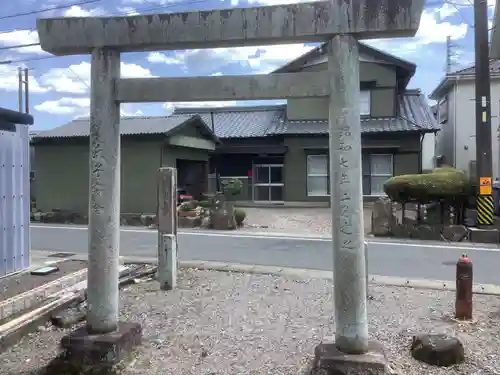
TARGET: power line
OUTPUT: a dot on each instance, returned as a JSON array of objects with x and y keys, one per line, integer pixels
[
  {"x": 57, "y": 7},
  {"x": 19, "y": 46},
  {"x": 110, "y": 15}
]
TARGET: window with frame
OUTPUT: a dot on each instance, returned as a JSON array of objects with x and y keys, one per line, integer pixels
[
  {"x": 377, "y": 169},
  {"x": 365, "y": 102},
  {"x": 318, "y": 184}
]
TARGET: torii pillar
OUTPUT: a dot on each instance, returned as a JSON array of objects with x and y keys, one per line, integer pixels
[{"x": 342, "y": 22}]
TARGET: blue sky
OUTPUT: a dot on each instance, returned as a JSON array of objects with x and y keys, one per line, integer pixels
[{"x": 59, "y": 85}]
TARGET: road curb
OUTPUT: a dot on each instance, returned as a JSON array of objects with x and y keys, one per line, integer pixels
[{"x": 444, "y": 285}]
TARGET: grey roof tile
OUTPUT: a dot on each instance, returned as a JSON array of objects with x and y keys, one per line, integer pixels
[
  {"x": 128, "y": 126},
  {"x": 494, "y": 68},
  {"x": 415, "y": 115},
  {"x": 239, "y": 122}
]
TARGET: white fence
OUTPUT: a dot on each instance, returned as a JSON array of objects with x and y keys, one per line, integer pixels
[{"x": 14, "y": 198}]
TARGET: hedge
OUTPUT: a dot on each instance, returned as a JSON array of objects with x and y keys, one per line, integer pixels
[{"x": 440, "y": 184}]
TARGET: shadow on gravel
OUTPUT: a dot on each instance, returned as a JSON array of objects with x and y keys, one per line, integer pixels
[{"x": 61, "y": 366}]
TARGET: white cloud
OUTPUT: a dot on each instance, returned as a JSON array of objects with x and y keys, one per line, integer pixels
[
  {"x": 128, "y": 11},
  {"x": 170, "y": 107},
  {"x": 430, "y": 31},
  {"x": 260, "y": 59},
  {"x": 76, "y": 78},
  {"x": 79, "y": 107},
  {"x": 18, "y": 37},
  {"x": 77, "y": 11},
  {"x": 449, "y": 9},
  {"x": 65, "y": 106},
  {"x": 9, "y": 81}
]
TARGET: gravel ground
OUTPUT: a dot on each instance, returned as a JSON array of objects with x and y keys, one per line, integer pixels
[{"x": 229, "y": 323}]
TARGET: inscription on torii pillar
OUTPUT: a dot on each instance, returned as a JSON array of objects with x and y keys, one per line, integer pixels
[{"x": 342, "y": 22}]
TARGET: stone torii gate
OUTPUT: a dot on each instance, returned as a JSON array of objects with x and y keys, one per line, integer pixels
[{"x": 342, "y": 22}]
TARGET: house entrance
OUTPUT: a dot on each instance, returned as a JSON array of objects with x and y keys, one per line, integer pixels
[
  {"x": 268, "y": 184},
  {"x": 192, "y": 176}
]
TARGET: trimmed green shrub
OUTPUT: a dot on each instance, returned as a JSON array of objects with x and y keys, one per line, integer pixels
[
  {"x": 443, "y": 184},
  {"x": 232, "y": 186},
  {"x": 239, "y": 216}
]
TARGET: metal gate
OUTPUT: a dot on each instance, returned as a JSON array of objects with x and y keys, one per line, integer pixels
[{"x": 14, "y": 192}]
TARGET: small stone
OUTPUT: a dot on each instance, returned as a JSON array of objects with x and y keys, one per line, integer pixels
[
  {"x": 383, "y": 218},
  {"x": 437, "y": 349},
  {"x": 455, "y": 233}
]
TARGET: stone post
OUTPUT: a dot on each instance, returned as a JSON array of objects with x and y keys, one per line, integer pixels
[
  {"x": 104, "y": 205},
  {"x": 167, "y": 228},
  {"x": 347, "y": 196}
]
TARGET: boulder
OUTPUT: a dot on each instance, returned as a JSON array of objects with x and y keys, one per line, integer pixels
[
  {"x": 188, "y": 221},
  {"x": 222, "y": 214},
  {"x": 427, "y": 233},
  {"x": 205, "y": 222},
  {"x": 131, "y": 219},
  {"x": 437, "y": 349},
  {"x": 147, "y": 220},
  {"x": 383, "y": 218},
  {"x": 455, "y": 233},
  {"x": 404, "y": 230}
]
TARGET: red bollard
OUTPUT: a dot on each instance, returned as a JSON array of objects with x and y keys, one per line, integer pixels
[{"x": 463, "y": 302}]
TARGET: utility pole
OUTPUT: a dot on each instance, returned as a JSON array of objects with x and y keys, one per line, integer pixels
[
  {"x": 484, "y": 199},
  {"x": 23, "y": 90},
  {"x": 20, "y": 89},
  {"x": 26, "y": 91}
]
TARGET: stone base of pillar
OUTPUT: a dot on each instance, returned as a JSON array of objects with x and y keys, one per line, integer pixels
[
  {"x": 328, "y": 360},
  {"x": 99, "y": 351}
]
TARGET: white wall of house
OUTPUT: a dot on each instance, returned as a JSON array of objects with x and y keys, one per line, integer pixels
[
  {"x": 457, "y": 139},
  {"x": 428, "y": 151}
]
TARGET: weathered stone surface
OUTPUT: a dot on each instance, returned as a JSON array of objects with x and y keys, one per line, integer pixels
[
  {"x": 222, "y": 213},
  {"x": 455, "y": 233},
  {"x": 383, "y": 218},
  {"x": 328, "y": 360},
  {"x": 484, "y": 235},
  {"x": 403, "y": 230},
  {"x": 437, "y": 349},
  {"x": 131, "y": 219},
  {"x": 291, "y": 23},
  {"x": 147, "y": 220},
  {"x": 188, "y": 222},
  {"x": 427, "y": 233},
  {"x": 205, "y": 222},
  {"x": 101, "y": 350}
]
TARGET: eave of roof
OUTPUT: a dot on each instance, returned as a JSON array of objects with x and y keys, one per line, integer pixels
[
  {"x": 363, "y": 48},
  {"x": 466, "y": 74},
  {"x": 159, "y": 125}
]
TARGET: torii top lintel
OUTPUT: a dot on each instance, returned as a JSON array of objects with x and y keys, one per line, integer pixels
[{"x": 281, "y": 24}]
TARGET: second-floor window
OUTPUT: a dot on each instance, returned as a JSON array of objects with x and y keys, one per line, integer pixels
[{"x": 365, "y": 102}]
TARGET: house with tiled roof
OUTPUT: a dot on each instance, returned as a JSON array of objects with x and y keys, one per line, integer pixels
[
  {"x": 455, "y": 109},
  {"x": 280, "y": 152}
]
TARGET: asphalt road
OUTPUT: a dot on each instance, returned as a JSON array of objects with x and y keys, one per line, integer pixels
[{"x": 418, "y": 260}]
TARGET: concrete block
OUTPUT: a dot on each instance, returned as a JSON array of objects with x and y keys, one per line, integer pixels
[
  {"x": 83, "y": 349},
  {"x": 484, "y": 235},
  {"x": 328, "y": 360}
]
